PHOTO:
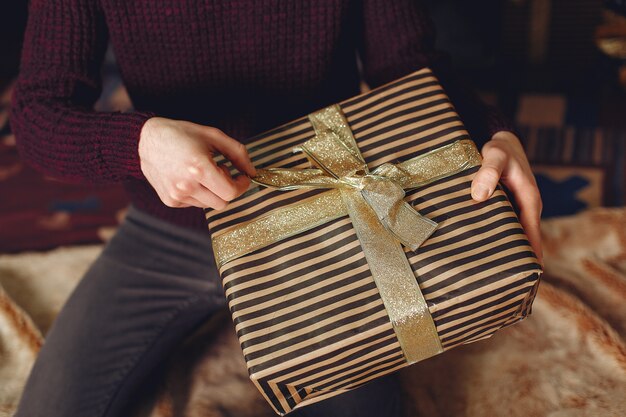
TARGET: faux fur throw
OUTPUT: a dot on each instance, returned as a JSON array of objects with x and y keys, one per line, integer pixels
[{"x": 566, "y": 359}]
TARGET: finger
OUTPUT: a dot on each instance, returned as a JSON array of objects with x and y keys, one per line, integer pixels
[
  {"x": 172, "y": 202},
  {"x": 192, "y": 202},
  {"x": 219, "y": 181},
  {"x": 204, "y": 198},
  {"x": 199, "y": 196},
  {"x": 245, "y": 181},
  {"x": 233, "y": 150},
  {"x": 486, "y": 179},
  {"x": 207, "y": 198}
]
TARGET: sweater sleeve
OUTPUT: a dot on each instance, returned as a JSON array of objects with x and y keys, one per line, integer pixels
[
  {"x": 398, "y": 37},
  {"x": 56, "y": 129}
]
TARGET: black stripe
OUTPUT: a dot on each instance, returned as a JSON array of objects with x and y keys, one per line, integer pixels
[
  {"x": 399, "y": 103},
  {"x": 361, "y": 380},
  {"x": 330, "y": 369},
  {"x": 476, "y": 269},
  {"x": 466, "y": 235},
  {"x": 365, "y": 96},
  {"x": 482, "y": 332},
  {"x": 482, "y": 282},
  {"x": 353, "y": 377},
  {"x": 482, "y": 307},
  {"x": 275, "y": 360},
  {"x": 455, "y": 252},
  {"x": 476, "y": 323},
  {"x": 295, "y": 276},
  {"x": 286, "y": 142},
  {"x": 288, "y": 250},
  {"x": 360, "y": 346},
  {"x": 414, "y": 131},
  {"x": 323, "y": 315},
  {"x": 284, "y": 389},
  {"x": 439, "y": 192},
  {"x": 334, "y": 285},
  {"x": 369, "y": 112},
  {"x": 475, "y": 299},
  {"x": 467, "y": 221},
  {"x": 461, "y": 211},
  {"x": 411, "y": 144},
  {"x": 271, "y": 396},
  {"x": 318, "y": 331}
]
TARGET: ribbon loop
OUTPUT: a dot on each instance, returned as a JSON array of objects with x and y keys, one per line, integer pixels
[{"x": 386, "y": 198}]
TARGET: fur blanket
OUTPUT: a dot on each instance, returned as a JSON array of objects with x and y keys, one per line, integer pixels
[{"x": 567, "y": 359}]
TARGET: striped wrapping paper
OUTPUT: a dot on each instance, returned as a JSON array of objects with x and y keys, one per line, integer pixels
[{"x": 306, "y": 310}]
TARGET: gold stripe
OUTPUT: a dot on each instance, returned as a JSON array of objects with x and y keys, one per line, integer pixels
[
  {"x": 315, "y": 243},
  {"x": 276, "y": 225}
]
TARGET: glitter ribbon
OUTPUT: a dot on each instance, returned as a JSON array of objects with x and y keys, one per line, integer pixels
[{"x": 374, "y": 200}]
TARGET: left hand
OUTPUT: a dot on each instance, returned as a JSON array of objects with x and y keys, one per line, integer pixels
[{"x": 504, "y": 160}]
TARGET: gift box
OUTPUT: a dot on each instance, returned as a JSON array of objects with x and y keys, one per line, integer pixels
[{"x": 358, "y": 249}]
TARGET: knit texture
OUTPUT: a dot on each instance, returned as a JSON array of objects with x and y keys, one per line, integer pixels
[{"x": 242, "y": 66}]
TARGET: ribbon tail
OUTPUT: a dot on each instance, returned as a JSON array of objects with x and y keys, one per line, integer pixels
[
  {"x": 409, "y": 227},
  {"x": 403, "y": 299},
  {"x": 385, "y": 197}
]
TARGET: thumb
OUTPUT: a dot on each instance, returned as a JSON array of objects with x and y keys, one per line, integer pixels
[{"x": 486, "y": 179}]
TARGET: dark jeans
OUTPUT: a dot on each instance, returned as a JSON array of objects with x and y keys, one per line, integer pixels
[{"x": 153, "y": 285}]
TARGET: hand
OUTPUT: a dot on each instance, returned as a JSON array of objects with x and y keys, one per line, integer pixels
[
  {"x": 177, "y": 160},
  {"x": 504, "y": 160}
]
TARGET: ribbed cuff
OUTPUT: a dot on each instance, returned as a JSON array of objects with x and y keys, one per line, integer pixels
[
  {"x": 118, "y": 144},
  {"x": 498, "y": 122}
]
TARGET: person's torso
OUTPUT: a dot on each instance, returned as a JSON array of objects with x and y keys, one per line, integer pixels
[{"x": 243, "y": 66}]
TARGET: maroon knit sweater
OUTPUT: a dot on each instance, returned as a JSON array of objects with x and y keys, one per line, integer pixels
[{"x": 243, "y": 66}]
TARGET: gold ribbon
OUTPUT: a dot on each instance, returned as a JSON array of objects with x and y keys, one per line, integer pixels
[{"x": 375, "y": 203}]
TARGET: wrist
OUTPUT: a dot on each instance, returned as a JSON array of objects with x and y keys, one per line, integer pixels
[{"x": 503, "y": 134}]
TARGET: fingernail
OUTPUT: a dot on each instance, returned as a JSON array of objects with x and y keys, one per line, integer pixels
[{"x": 480, "y": 192}]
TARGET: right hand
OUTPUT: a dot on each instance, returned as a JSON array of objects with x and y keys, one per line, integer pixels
[{"x": 177, "y": 160}]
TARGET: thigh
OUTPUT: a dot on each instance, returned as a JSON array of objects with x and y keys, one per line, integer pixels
[{"x": 152, "y": 285}]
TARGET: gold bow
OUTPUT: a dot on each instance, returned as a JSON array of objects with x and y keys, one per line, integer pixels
[{"x": 375, "y": 203}]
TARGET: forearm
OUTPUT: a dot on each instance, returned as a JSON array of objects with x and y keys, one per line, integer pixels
[
  {"x": 56, "y": 128},
  {"x": 72, "y": 143}
]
